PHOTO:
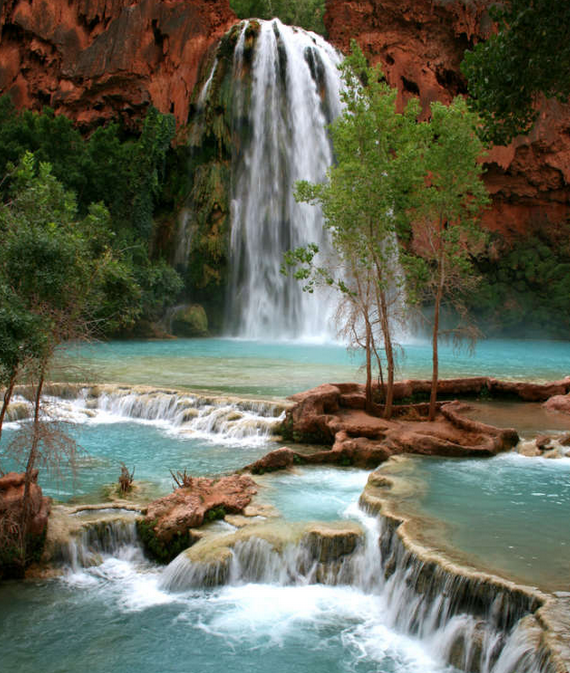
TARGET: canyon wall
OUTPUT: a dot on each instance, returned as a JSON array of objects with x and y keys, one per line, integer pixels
[
  {"x": 420, "y": 45},
  {"x": 96, "y": 60}
]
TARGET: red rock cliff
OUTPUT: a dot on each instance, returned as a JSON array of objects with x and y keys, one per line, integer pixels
[
  {"x": 420, "y": 44},
  {"x": 96, "y": 59}
]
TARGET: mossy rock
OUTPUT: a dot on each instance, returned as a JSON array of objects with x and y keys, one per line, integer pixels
[
  {"x": 159, "y": 550},
  {"x": 190, "y": 321}
]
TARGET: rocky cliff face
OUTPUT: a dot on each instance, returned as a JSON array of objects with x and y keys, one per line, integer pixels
[
  {"x": 420, "y": 44},
  {"x": 96, "y": 60}
]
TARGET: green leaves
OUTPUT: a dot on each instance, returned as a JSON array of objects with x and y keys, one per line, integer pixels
[
  {"x": 530, "y": 55},
  {"x": 307, "y": 14}
]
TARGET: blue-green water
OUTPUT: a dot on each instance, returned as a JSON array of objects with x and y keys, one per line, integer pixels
[
  {"x": 283, "y": 368},
  {"x": 319, "y": 493},
  {"x": 115, "y": 620},
  {"x": 152, "y": 451},
  {"x": 507, "y": 514}
]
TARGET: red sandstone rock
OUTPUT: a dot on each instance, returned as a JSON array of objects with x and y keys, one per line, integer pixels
[
  {"x": 95, "y": 60},
  {"x": 559, "y": 403},
  {"x": 278, "y": 459},
  {"x": 365, "y": 440},
  {"x": 187, "y": 507},
  {"x": 420, "y": 44},
  {"x": 529, "y": 392},
  {"x": 11, "y": 495}
]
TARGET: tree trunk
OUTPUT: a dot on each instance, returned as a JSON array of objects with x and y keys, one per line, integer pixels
[
  {"x": 385, "y": 324},
  {"x": 6, "y": 402},
  {"x": 30, "y": 466},
  {"x": 435, "y": 335},
  {"x": 368, "y": 367}
]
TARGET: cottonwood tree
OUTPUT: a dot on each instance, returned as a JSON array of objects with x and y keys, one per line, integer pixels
[
  {"x": 363, "y": 201},
  {"x": 446, "y": 210}
]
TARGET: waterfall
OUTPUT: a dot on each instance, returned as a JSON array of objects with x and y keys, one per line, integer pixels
[
  {"x": 280, "y": 119},
  {"x": 472, "y": 623},
  {"x": 215, "y": 418},
  {"x": 112, "y": 535}
]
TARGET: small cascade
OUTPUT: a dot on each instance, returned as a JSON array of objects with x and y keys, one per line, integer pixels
[
  {"x": 470, "y": 622},
  {"x": 476, "y": 624},
  {"x": 284, "y": 95},
  {"x": 223, "y": 419},
  {"x": 108, "y": 534},
  {"x": 270, "y": 554}
]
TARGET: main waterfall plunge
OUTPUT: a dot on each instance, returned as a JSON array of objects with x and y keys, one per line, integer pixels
[
  {"x": 282, "y": 90},
  {"x": 294, "y": 94}
]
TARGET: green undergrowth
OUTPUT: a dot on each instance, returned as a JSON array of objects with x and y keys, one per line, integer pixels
[
  {"x": 525, "y": 285},
  {"x": 163, "y": 552}
]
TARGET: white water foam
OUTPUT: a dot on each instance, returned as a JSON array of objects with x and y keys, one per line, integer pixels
[
  {"x": 295, "y": 87},
  {"x": 235, "y": 422}
]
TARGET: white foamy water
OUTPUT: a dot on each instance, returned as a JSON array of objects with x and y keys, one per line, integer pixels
[
  {"x": 295, "y": 87},
  {"x": 219, "y": 419}
]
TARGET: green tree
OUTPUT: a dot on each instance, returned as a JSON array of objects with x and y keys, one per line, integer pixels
[
  {"x": 128, "y": 174},
  {"x": 53, "y": 268},
  {"x": 307, "y": 14},
  {"x": 528, "y": 56},
  {"x": 364, "y": 205},
  {"x": 445, "y": 212}
]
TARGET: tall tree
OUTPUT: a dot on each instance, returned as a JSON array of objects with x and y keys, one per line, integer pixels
[
  {"x": 530, "y": 55},
  {"x": 53, "y": 274},
  {"x": 446, "y": 212},
  {"x": 363, "y": 203}
]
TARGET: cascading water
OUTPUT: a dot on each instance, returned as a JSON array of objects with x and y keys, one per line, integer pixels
[
  {"x": 472, "y": 624},
  {"x": 280, "y": 119}
]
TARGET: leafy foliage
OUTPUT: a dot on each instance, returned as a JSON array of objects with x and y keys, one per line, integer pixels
[
  {"x": 445, "y": 215},
  {"x": 525, "y": 286},
  {"x": 364, "y": 202},
  {"x": 394, "y": 175},
  {"x": 529, "y": 55},
  {"x": 127, "y": 176},
  {"x": 307, "y": 14}
]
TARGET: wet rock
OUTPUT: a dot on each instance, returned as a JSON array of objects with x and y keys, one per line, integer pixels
[
  {"x": 543, "y": 442},
  {"x": 279, "y": 459},
  {"x": 528, "y": 449},
  {"x": 190, "y": 321},
  {"x": 165, "y": 529},
  {"x": 558, "y": 403},
  {"x": 329, "y": 543},
  {"x": 564, "y": 440},
  {"x": 552, "y": 454}
]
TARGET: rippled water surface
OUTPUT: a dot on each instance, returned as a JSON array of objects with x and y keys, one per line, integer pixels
[
  {"x": 507, "y": 514},
  {"x": 283, "y": 368}
]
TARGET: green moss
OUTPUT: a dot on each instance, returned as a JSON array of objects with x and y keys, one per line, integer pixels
[
  {"x": 215, "y": 514},
  {"x": 158, "y": 550},
  {"x": 190, "y": 321}
]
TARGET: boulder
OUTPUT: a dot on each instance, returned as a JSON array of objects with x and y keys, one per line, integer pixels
[
  {"x": 558, "y": 403},
  {"x": 166, "y": 527},
  {"x": 190, "y": 321},
  {"x": 12, "y": 486}
]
